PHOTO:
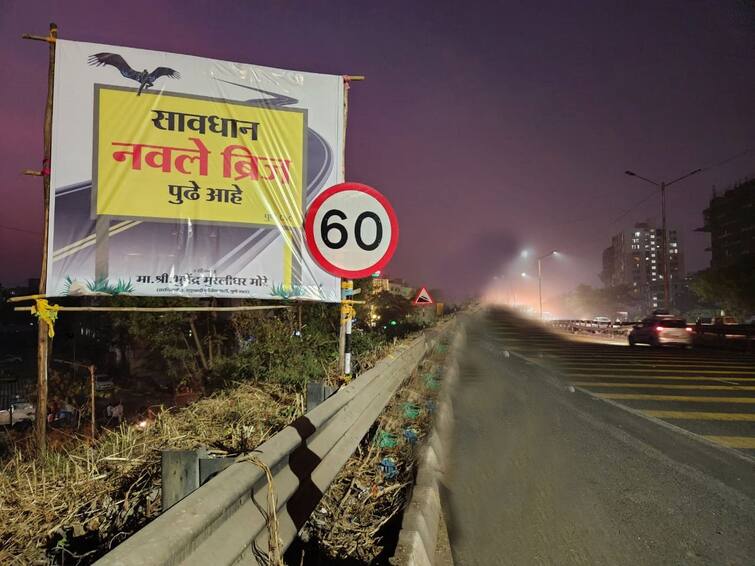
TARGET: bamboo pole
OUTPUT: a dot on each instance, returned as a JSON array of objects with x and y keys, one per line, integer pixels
[
  {"x": 159, "y": 309},
  {"x": 93, "y": 420},
  {"x": 20, "y": 298},
  {"x": 198, "y": 344},
  {"x": 43, "y": 341},
  {"x": 342, "y": 321}
]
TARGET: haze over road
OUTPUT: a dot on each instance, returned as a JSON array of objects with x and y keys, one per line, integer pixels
[{"x": 545, "y": 471}]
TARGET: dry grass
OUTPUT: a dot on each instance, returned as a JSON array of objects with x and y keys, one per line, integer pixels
[
  {"x": 79, "y": 501},
  {"x": 349, "y": 520}
]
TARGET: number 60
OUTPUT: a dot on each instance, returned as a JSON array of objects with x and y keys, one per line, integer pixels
[{"x": 327, "y": 227}]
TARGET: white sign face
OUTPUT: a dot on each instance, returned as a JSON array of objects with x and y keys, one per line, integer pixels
[
  {"x": 423, "y": 298},
  {"x": 351, "y": 230},
  {"x": 175, "y": 175}
]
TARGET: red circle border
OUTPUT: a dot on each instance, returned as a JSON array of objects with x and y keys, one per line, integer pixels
[{"x": 310, "y": 222}]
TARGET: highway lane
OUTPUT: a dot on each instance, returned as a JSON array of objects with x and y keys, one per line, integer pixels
[
  {"x": 548, "y": 466},
  {"x": 707, "y": 392}
]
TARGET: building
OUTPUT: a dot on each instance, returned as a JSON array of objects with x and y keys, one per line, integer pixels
[
  {"x": 635, "y": 259},
  {"x": 608, "y": 266},
  {"x": 380, "y": 285},
  {"x": 399, "y": 287},
  {"x": 730, "y": 220}
]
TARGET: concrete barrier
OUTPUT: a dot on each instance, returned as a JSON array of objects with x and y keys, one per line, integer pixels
[{"x": 422, "y": 518}]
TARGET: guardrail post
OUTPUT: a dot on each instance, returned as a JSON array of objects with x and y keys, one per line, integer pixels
[
  {"x": 179, "y": 474},
  {"x": 317, "y": 392}
]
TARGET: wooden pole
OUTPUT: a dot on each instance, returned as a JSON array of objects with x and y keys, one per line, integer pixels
[
  {"x": 92, "y": 387},
  {"x": 43, "y": 341},
  {"x": 342, "y": 319},
  {"x": 198, "y": 344},
  {"x": 158, "y": 309}
]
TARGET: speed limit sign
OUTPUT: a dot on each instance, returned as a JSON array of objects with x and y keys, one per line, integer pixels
[{"x": 351, "y": 230}]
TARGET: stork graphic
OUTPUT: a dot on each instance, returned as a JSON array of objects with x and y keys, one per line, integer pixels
[{"x": 144, "y": 78}]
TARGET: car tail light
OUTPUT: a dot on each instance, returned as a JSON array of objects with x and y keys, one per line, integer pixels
[
  {"x": 688, "y": 329},
  {"x": 659, "y": 328}
]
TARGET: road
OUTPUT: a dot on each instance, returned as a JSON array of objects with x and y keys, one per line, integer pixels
[{"x": 568, "y": 452}]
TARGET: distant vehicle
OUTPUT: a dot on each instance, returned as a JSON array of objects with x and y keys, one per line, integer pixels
[
  {"x": 602, "y": 320},
  {"x": 661, "y": 330},
  {"x": 724, "y": 320},
  {"x": 660, "y": 312},
  {"x": 103, "y": 383},
  {"x": 20, "y": 414},
  {"x": 705, "y": 320}
]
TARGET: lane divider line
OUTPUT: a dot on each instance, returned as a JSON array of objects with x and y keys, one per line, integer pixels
[
  {"x": 668, "y": 386},
  {"x": 682, "y": 398},
  {"x": 733, "y": 441},
  {"x": 669, "y": 377}
]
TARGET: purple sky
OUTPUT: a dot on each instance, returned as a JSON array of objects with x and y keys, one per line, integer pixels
[{"x": 491, "y": 126}]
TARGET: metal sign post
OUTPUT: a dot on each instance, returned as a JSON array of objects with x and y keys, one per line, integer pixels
[{"x": 352, "y": 232}]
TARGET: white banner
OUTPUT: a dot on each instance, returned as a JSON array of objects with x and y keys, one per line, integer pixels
[{"x": 175, "y": 175}]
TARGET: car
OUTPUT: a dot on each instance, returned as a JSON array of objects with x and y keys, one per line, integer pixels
[
  {"x": 705, "y": 320},
  {"x": 601, "y": 320},
  {"x": 19, "y": 414},
  {"x": 724, "y": 320},
  {"x": 661, "y": 331}
]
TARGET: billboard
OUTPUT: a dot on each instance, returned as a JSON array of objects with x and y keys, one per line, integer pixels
[{"x": 190, "y": 177}]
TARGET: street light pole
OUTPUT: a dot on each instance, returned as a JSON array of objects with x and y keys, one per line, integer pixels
[
  {"x": 664, "y": 234},
  {"x": 540, "y": 279},
  {"x": 540, "y": 286},
  {"x": 664, "y": 231}
]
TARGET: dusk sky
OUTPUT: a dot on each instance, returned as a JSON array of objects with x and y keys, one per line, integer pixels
[{"x": 491, "y": 126}]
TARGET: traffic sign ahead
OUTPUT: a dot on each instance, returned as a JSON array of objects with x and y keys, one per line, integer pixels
[
  {"x": 351, "y": 230},
  {"x": 423, "y": 298}
]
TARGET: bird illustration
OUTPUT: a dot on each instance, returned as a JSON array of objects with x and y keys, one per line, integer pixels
[{"x": 144, "y": 78}]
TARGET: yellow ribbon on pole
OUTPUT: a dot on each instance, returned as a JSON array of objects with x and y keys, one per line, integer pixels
[
  {"x": 347, "y": 310},
  {"x": 46, "y": 313}
]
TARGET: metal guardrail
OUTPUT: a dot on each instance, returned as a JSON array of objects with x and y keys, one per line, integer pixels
[
  {"x": 223, "y": 522},
  {"x": 726, "y": 334},
  {"x": 610, "y": 328},
  {"x": 706, "y": 334}
]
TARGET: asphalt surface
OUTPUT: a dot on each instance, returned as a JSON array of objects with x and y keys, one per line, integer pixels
[{"x": 549, "y": 466}]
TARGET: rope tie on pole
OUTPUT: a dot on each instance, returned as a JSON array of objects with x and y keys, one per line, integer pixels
[{"x": 46, "y": 313}]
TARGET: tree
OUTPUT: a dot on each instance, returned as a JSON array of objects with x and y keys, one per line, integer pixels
[
  {"x": 732, "y": 287},
  {"x": 171, "y": 343},
  {"x": 272, "y": 345},
  {"x": 586, "y": 301},
  {"x": 391, "y": 307}
]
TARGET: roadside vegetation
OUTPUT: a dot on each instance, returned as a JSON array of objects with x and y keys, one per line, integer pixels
[{"x": 246, "y": 371}]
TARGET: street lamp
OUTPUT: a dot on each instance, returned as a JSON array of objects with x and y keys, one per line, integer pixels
[
  {"x": 663, "y": 186},
  {"x": 540, "y": 279}
]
